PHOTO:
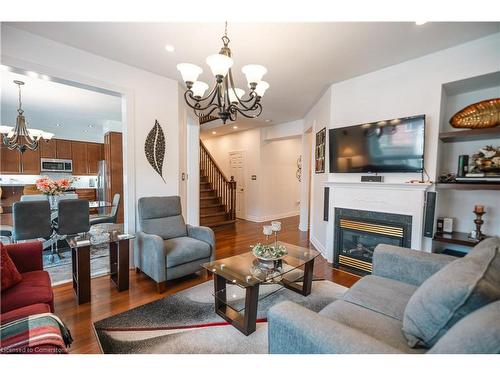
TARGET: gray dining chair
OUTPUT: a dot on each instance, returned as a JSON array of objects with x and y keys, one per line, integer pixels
[
  {"x": 73, "y": 217},
  {"x": 113, "y": 215},
  {"x": 31, "y": 220}
]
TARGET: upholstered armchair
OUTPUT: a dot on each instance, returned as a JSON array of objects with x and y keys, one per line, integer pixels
[{"x": 165, "y": 247}]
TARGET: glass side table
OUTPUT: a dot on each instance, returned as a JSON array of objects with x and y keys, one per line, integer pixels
[{"x": 80, "y": 245}]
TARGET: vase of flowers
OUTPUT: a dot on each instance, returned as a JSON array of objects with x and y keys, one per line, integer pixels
[{"x": 53, "y": 188}]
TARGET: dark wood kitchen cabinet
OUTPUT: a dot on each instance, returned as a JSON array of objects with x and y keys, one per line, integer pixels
[
  {"x": 48, "y": 149},
  {"x": 79, "y": 157},
  {"x": 113, "y": 155},
  {"x": 10, "y": 160},
  {"x": 30, "y": 162},
  {"x": 63, "y": 149},
  {"x": 95, "y": 152}
]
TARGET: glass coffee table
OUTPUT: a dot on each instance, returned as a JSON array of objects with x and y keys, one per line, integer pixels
[{"x": 237, "y": 280}]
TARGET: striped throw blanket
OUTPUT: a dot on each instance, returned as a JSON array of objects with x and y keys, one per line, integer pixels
[{"x": 29, "y": 334}]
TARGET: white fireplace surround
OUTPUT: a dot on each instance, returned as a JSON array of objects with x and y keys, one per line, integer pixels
[{"x": 397, "y": 198}]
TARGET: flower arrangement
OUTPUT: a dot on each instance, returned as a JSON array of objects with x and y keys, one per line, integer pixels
[
  {"x": 269, "y": 252},
  {"x": 53, "y": 187}
]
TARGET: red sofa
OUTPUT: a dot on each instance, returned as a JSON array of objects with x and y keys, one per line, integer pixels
[{"x": 33, "y": 295}]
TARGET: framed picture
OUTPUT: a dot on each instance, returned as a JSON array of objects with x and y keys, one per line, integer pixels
[{"x": 319, "y": 151}]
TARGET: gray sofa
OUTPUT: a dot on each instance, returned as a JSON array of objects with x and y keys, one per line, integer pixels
[
  {"x": 414, "y": 302},
  {"x": 165, "y": 247}
]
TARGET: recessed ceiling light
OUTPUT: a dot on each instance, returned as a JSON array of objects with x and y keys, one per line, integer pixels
[
  {"x": 214, "y": 132},
  {"x": 91, "y": 126},
  {"x": 32, "y": 74},
  {"x": 85, "y": 131},
  {"x": 420, "y": 23},
  {"x": 58, "y": 125},
  {"x": 170, "y": 48},
  {"x": 235, "y": 127},
  {"x": 267, "y": 120}
]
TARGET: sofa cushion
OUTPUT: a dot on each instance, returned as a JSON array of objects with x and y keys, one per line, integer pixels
[
  {"x": 477, "y": 333},
  {"x": 10, "y": 276},
  {"x": 369, "y": 322},
  {"x": 455, "y": 291},
  {"x": 182, "y": 250},
  {"x": 382, "y": 295},
  {"x": 34, "y": 288},
  {"x": 37, "y": 308}
]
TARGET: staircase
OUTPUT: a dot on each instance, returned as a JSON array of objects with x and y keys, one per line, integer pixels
[{"x": 217, "y": 193}]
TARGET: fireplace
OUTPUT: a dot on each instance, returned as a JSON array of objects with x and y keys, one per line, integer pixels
[{"x": 358, "y": 232}]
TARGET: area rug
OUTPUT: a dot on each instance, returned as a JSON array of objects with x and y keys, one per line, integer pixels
[{"x": 186, "y": 322}]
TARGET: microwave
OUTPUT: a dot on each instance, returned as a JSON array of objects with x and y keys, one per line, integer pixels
[{"x": 56, "y": 165}]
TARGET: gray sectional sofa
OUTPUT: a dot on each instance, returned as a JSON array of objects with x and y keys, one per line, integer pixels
[{"x": 414, "y": 302}]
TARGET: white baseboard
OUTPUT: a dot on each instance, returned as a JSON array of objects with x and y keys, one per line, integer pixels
[
  {"x": 318, "y": 245},
  {"x": 261, "y": 219}
]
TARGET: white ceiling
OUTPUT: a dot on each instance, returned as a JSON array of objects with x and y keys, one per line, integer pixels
[
  {"x": 81, "y": 114},
  {"x": 302, "y": 58}
]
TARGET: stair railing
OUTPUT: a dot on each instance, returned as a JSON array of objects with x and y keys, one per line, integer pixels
[{"x": 225, "y": 188}]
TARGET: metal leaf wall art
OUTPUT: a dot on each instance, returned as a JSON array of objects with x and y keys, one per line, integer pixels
[{"x": 154, "y": 148}]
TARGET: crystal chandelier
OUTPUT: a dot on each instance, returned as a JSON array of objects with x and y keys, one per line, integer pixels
[
  {"x": 224, "y": 101},
  {"x": 20, "y": 137}
]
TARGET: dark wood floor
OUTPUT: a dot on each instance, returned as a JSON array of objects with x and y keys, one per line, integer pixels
[{"x": 107, "y": 301}]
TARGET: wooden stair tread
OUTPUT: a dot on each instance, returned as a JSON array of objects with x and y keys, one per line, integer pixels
[
  {"x": 213, "y": 214},
  {"x": 220, "y": 223}
]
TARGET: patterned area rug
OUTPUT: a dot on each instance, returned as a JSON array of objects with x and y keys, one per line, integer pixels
[{"x": 186, "y": 322}]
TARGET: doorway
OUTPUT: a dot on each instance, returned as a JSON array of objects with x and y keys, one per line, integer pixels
[{"x": 237, "y": 168}]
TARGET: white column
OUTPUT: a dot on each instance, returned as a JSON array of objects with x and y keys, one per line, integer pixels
[
  {"x": 193, "y": 172},
  {"x": 305, "y": 182}
]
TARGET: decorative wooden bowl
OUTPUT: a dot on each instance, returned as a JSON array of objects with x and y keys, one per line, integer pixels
[{"x": 485, "y": 114}]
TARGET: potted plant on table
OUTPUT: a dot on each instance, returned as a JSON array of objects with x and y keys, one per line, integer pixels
[{"x": 53, "y": 188}]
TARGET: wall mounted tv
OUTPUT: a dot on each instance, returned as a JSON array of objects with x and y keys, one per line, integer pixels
[{"x": 379, "y": 147}]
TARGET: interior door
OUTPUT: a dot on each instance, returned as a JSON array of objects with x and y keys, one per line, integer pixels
[{"x": 237, "y": 167}]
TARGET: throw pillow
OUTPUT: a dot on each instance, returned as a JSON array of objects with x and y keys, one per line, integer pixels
[
  {"x": 9, "y": 272},
  {"x": 453, "y": 292}
]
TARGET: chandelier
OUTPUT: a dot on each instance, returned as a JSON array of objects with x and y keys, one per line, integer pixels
[
  {"x": 224, "y": 101},
  {"x": 20, "y": 137}
]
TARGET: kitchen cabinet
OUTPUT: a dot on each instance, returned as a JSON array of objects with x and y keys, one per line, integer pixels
[
  {"x": 30, "y": 162},
  {"x": 48, "y": 149},
  {"x": 10, "y": 160},
  {"x": 113, "y": 151},
  {"x": 95, "y": 153},
  {"x": 63, "y": 149},
  {"x": 79, "y": 157}
]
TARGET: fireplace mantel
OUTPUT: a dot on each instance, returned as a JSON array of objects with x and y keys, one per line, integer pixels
[
  {"x": 387, "y": 197},
  {"x": 379, "y": 185}
]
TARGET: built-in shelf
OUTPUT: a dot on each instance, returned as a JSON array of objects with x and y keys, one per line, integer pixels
[
  {"x": 456, "y": 238},
  {"x": 470, "y": 135},
  {"x": 468, "y": 186}
]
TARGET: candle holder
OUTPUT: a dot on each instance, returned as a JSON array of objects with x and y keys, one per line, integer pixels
[
  {"x": 276, "y": 227},
  {"x": 479, "y": 222}
]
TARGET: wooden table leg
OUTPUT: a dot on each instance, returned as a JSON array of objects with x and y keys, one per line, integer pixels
[
  {"x": 306, "y": 287},
  {"x": 246, "y": 321},
  {"x": 80, "y": 260},
  {"x": 119, "y": 264}
]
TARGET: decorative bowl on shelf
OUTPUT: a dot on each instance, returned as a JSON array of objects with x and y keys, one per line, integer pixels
[
  {"x": 269, "y": 252},
  {"x": 484, "y": 114}
]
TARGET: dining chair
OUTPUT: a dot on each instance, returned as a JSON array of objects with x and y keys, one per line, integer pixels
[
  {"x": 113, "y": 215},
  {"x": 31, "y": 220},
  {"x": 73, "y": 217}
]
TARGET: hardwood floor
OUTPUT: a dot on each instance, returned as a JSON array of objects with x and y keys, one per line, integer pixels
[{"x": 107, "y": 301}]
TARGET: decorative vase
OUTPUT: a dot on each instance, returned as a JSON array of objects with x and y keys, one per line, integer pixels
[{"x": 53, "y": 200}]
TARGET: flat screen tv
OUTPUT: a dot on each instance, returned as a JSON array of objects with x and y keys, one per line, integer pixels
[{"x": 379, "y": 147}]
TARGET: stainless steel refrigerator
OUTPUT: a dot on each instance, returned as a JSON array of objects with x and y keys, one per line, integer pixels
[{"x": 101, "y": 183}]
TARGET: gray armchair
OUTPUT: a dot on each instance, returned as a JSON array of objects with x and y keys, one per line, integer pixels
[{"x": 165, "y": 247}]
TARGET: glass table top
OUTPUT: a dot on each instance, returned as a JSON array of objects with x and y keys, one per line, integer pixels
[
  {"x": 246, "y": 270},
  {"x": 98, "y": 235}
]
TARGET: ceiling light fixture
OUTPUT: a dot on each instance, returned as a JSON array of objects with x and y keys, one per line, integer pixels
[
  {"x": 224, "y": 99},
  {"x": 235, "y": 127},
  {"x": 32, "y": 74},
  {"x": 420, "y": 23},
  {"x": 20, "y": 137},
  {"x": 91, "y": 126},
  {"x": 214, "y": 132},
  {"x": 170, "y": 48}
]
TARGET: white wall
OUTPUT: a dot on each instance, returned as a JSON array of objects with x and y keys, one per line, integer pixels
[
  {"x": 276, "y": 191},
  {"x": 410, "y": 88},
  {"x": 147, "y": 97},
  {"x": 316, "y": 119}
]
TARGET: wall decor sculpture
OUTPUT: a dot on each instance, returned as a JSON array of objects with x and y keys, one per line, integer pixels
[{"x": 154, "y": 148}]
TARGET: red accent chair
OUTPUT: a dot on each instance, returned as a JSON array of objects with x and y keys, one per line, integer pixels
[{"x": 33, "y": 295}]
